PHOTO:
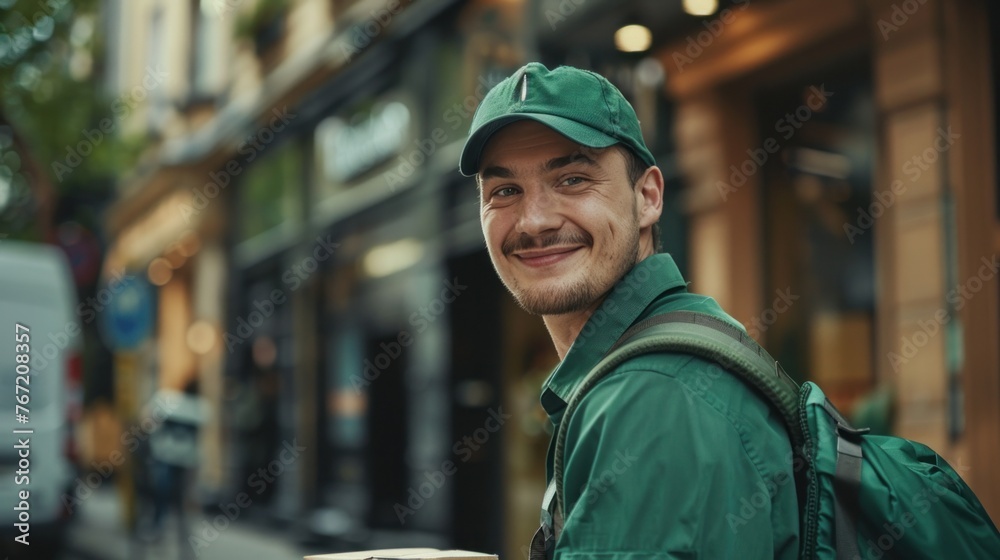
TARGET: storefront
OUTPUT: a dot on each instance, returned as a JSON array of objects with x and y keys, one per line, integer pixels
[
  {"x": 167, "y": 335},
  {"x": 839, "y": 144},
  {"x": 380, "y": 355},
  {"x": 829, "y": 189}
]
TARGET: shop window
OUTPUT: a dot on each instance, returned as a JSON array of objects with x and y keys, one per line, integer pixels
[
  {"x": 387, "y": 441},
  {"x": 157, "y": 52},
  {"x": 819, "y": 302},
  {"x": 271, "y": 193},
  {"x": 203, "y": 62}
]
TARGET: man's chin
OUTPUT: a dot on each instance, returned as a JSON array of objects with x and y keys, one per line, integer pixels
[
  {"x": 548, "y": 310},
  {"x": 561, "y": 301}
]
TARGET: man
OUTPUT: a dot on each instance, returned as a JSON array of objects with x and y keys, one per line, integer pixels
[{"x": 665, "y": 457}]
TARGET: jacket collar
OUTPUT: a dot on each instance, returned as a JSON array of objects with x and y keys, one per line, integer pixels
[{"x": 622, "y": 307}]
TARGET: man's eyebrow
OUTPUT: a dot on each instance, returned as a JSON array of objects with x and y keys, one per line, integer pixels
[
  {"x": 496, "y": 171},
  {"x": 577, "y": 157},
  {"x": 554, "y": 163}
]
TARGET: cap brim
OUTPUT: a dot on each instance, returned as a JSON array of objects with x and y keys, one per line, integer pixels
[{"x": 575, "y": 131}]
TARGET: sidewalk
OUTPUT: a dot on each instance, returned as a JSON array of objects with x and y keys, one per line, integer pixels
[{"x": 97, "y": 533}]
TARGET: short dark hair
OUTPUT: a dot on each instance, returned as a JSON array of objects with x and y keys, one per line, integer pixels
[{"x": 635, "y": 167}]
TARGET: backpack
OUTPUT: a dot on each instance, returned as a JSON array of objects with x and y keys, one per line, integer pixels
[{"x": 861, "y": 496}]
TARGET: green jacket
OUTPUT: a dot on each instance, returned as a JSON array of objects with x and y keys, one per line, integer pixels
[{"x": 668, "y": 456}]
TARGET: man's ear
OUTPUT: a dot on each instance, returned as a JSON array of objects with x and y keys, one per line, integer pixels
[{"x": 649, "y": 196}]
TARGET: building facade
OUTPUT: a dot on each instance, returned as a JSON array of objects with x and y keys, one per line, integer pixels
[
  {"x": 839, "y": 193},
  {"x": 319, "y": 266},
  {"x": 317, "y": 258}
]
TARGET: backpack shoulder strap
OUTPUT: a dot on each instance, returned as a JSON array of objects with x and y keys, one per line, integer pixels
[{"x": 701, "y": 335}]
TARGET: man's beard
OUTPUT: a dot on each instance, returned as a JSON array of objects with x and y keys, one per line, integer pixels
[{"x": 577, "y": 294}]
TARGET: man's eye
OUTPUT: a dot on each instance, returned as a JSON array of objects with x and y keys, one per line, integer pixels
[
  {"x": 504, "y": 192},
  {"x": 570, "y": 181}
]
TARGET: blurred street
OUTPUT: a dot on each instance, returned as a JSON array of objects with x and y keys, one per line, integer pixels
[
  {"x": 246, "y": 274},
  {"x": 97, "y": 533}
]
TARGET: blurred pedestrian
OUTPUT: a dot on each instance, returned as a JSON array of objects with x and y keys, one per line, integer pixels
[{"x": 174, "y": 456}]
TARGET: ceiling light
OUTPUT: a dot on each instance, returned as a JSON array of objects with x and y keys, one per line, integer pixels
[
  {"x": 160, "y": 271},
  {"x": 201, "y": 337},
  {"x": 701, "y": 7},
  {"x": 633, "y": 38},
  {"x": 390, "y": 258}
]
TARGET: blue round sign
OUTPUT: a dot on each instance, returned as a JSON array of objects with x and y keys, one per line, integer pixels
[{"x": 129, "y": 314}]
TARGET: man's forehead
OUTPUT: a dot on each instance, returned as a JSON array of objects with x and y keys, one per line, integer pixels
[{"x": 523, "y": 140}]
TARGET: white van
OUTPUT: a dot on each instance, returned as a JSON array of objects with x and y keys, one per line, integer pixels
[{"x": 40, "y": 390}]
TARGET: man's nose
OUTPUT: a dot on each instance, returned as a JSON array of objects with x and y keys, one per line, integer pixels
[{"x": 540, "y": 212}]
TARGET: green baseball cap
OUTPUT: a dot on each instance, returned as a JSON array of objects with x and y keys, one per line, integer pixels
[{"x": 579, "y": 104}]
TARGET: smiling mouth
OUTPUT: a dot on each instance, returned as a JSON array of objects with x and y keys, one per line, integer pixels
[{"x": 546, "y": 257}]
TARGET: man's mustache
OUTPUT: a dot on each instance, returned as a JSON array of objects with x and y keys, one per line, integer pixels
[{"x": 524, "y": 241}]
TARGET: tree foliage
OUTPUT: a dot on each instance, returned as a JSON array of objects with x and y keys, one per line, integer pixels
[{"x": 52, "y": 100}]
